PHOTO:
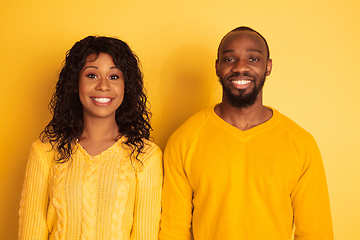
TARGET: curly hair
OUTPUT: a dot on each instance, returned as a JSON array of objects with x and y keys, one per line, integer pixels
[{"x": 133, "y": 115}]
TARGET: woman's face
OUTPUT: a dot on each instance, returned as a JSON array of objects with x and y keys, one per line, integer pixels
[{"x": 101, "y": 87}]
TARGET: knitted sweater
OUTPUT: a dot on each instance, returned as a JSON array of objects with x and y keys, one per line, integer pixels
[
  {"x": 224, "y": 183},
  {"x": 91, "y": 197}
]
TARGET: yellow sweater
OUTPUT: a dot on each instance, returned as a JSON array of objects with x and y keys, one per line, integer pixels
[
  {"x": 91, "y": 197},
  {"x": 223, "y": 183}
]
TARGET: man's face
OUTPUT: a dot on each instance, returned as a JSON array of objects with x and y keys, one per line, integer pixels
[{"x": 242, "y": 68}]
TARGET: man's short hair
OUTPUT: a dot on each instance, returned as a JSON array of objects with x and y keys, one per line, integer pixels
[{"x": 244, "y": 28}]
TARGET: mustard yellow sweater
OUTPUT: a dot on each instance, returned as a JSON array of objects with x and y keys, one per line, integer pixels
[
  {"x": 91, "y": 197},
  {"x": 222, "y": 183}
]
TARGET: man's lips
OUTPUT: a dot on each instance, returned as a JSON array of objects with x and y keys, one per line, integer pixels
[
  {"x": 240, "y": 81},
  {"x": 239, "y": 77}
]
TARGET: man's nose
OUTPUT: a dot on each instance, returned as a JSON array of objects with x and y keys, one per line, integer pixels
[{"x": 241, "y": 66}]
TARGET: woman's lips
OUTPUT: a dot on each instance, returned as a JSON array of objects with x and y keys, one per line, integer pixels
[{"x": 102, "y": 100}]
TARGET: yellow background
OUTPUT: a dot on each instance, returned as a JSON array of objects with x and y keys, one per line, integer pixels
[{"x": 314, "y": 44}]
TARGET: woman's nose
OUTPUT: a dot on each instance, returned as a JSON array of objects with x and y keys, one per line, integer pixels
[{"x": 103, "y": 84}]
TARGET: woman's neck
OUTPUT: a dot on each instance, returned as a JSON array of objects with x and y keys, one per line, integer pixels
[
  {"x": 98, "y": 135},
  {"x": 99, "y": 129}
]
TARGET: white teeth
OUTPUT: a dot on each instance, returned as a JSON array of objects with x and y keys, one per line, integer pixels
[
  {"x": 241, "y": 82},
  {"x": 102, "y": 100}
]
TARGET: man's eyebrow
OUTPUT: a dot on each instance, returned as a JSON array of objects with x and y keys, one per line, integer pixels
[
  {"x": 248, "y": 50},
  {"x": 227, "y": 51},
  {"x": 254, "y": 50}
]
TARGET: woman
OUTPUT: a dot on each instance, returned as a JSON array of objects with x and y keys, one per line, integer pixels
[{"x": 93, "y": 174}]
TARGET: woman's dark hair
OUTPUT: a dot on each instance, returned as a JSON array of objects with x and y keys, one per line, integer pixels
[{"x": 132, "y": 116}]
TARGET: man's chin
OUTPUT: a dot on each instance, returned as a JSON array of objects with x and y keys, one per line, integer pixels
[
  {"x": 242, "y": 100},
  {"x": 242, "y": 104}
]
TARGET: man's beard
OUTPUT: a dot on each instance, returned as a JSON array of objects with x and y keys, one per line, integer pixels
[{"x": 242, "y": 100}]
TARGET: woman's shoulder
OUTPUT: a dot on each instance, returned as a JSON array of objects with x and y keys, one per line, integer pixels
[
  {"x": 151, "y": 147},
  {"x": 42, "y": 145},
  {"x": 150, "y": 159},
  {"x": 41, "y": 155},
  {"x": 150, "y": 153}
]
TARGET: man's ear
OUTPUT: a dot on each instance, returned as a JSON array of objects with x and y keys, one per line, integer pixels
[
  {"x": 217, "y": 67},
  {"x": 268, "y": 67}
]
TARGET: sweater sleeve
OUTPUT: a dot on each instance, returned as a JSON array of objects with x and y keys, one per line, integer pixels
[
  {"x": 34, "y": 198},
  {"x": 177, "y": 205},
  {"x": 148, "y": 197},
  {"x": 310, "y": 199}
]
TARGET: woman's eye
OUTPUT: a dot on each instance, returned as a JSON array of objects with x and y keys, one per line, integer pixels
[
  {"x": 113, "y": 77},
  {"x": 91, "y": 75}
]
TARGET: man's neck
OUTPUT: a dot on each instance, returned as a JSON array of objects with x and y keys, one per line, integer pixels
[{"x": 243, "y": 118}]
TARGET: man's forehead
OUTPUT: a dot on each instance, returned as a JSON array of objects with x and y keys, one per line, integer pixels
[{"x": 249, "y": 37}]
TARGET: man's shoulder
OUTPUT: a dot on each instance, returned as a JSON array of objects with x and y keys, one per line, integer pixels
[
  {"x": 195, "y": 121},
  {"x": 294, "y": 128},
  {"x": 191, "y": 126}
]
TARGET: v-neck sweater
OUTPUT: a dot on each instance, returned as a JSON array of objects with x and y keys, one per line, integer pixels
[
  {"x": 106, "y": 196},
  {"x": 224, "y": 183}
]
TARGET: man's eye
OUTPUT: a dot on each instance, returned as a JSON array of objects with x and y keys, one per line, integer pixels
[
  {"x": 228, "y": 59},
  {"x": 91, "y": 75},
  {"x": 254, "y": 59},
  {"x": 113, "y": 77}
]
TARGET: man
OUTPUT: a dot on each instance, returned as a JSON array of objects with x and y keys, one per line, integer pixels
[{"x": 242, "y": 170}]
